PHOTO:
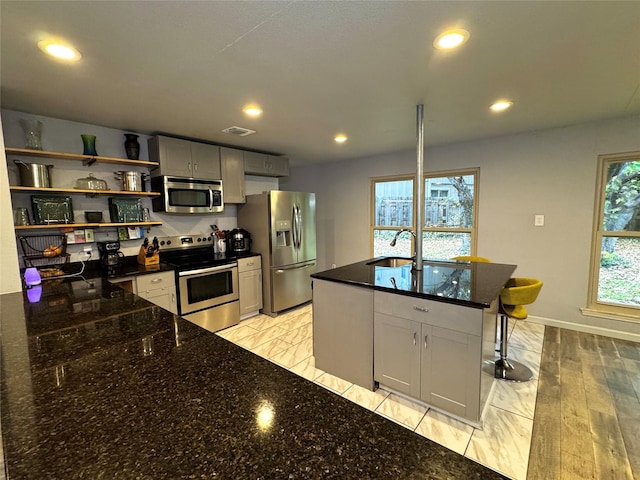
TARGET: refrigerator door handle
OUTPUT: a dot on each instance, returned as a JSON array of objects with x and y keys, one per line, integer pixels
[
  {"x": 296, "y": 267},
  {"x": 298, "y": 226},
  {"x": 294, "y": 226}
]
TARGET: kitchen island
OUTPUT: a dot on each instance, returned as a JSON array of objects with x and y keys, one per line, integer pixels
[
  {"x": 99, "y": 383},
  {"x": 429, "y": 335}
]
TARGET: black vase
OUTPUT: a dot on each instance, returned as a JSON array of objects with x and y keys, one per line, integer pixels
[{"x": 131, "y": 146}]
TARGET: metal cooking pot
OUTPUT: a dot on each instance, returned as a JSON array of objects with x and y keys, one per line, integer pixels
[
  {"x": 131, "y": 181},
  {"x": 34, "y": 174}
]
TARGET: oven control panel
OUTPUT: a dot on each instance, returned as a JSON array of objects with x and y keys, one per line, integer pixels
[{"x": 180, "y": 242}]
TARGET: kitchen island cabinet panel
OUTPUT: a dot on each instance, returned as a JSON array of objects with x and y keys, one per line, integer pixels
[
  {"x": 397, "y": 354},
  {"x": 340, "y": 346},
  {"x": 416, "y": 356},
  {"x": 434, "y": 330},
  {"x": 445, "y": 315},
  {"x": 449, "y": 371}
]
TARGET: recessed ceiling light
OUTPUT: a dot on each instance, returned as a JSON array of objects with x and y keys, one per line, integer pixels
[
  {"x": 500, "y": 105},
  {"x": 451, "y": 39},
  {"x": 252, "y": 110},
  {"x": 59, "y": 50},
  {"x": 340, "y": 138}
]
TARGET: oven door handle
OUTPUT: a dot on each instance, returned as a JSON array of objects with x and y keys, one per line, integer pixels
[{"x": 221, "y": 268}]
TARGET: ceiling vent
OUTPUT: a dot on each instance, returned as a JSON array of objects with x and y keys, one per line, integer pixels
[{"x": 239, "y": 131}]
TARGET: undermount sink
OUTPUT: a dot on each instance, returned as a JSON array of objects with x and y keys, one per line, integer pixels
[{"x": 391, "y": 262}]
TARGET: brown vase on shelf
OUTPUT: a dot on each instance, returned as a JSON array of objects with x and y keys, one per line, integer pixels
[{"x": 131, "y": 146}]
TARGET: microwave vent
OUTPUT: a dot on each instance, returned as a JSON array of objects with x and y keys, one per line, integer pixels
[{"x": 239, "y": 131}]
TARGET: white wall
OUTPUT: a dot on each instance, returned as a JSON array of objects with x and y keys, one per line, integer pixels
[
  {"x": 550, "y": 172},
  {"x": 64, "y": 136}
]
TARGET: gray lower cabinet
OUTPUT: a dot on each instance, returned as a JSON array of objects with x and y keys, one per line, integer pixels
[
  {"x": 232, "y": 168},
  {"x": 266, "y": 165},
  {"x": 250, "y": 286},
  {"x": 158, "y": 288},
  {"x": 450, "y": 364},
  {"x": 343, "y": 331},
  {"x": 184, "y": 158},
  {"x": 397, "y": 353},
  {"x": 432, "y": 351}
]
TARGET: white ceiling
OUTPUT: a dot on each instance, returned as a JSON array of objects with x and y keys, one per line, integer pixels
[{"x": 319, "y": 68}]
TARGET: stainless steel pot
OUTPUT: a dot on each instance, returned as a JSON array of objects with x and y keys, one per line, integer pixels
[
  {"x": 131, "y": 181},
  {"x": 34, "y": 174}
]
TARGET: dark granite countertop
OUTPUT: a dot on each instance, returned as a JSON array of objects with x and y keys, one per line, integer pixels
[
  {"x": 472, "y": 284},
  {"x": 99, "y": 383}
]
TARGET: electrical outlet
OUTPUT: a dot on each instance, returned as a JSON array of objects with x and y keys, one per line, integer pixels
[
  {"x": 538, "y": 220},
  {"x": 333, "y": 265},
  {"x": 88, "y": 251}
]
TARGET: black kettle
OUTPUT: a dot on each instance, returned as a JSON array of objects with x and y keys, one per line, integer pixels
[{"x": 238, "y": 241}]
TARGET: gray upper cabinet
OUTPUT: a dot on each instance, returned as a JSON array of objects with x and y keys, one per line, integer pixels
[
  {"x": 232, "y": 165},
  {"x": 184, "y": 158},
  {"x": 265, "y": 165},
  {"x": 205, "y": 159}
]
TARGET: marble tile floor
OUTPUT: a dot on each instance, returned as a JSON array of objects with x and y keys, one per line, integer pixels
[{"x": 502, "y": 445}]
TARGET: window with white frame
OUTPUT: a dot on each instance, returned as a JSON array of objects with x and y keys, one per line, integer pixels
[
  {"x": 449, "y": 214},
  {"x": 615, "y": 259}
]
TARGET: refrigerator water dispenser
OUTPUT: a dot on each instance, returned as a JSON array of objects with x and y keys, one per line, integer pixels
[{"x": 283, "y": 233}]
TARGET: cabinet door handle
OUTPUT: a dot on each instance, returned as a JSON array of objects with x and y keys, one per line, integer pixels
[
  {"x": 420, "y": 309},
  {"x": 156, "y": 280},
  {"x": 426, "y": 337},
  {"x": 414, "y": 337},
  {"x": 173, "y": 298}
]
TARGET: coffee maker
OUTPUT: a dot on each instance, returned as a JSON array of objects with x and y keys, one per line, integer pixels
[{"x": 110, "y": 256}]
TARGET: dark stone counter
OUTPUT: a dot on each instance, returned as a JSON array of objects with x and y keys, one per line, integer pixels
[
  {"x": 99, "y": 383},
  {"x": 471, "y": 284}
]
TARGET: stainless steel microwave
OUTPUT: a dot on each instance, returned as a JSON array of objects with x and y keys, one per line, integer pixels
[{"x": 187, "y": 195}]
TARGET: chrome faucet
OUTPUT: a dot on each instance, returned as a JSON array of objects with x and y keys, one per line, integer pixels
[{"x": 393, "y": 242}]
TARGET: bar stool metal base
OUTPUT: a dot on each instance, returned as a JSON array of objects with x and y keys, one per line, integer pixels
[
  {"x": 505, "y": 369},
  {"x": 512, "y": 371}
]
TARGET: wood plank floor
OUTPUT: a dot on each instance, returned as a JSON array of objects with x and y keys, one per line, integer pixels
[{"x": 587, "y": 417}]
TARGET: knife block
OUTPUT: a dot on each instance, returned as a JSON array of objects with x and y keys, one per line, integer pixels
[{"x": 144, "y": 260}]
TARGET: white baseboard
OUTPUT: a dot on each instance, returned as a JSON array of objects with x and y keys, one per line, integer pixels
[{"x": 604, "y": 331}]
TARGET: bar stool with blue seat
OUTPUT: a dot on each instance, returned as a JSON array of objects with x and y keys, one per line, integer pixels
[{"x": 517, "y": 293}]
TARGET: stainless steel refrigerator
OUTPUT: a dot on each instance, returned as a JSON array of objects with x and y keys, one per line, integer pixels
[{"x": 283, "y": 230}]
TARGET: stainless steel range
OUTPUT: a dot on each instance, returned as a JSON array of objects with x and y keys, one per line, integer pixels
[{"x": 207, "y": 283}]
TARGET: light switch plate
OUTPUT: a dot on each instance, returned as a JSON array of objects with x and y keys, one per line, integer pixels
[{"x": 539, "y": 221}]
